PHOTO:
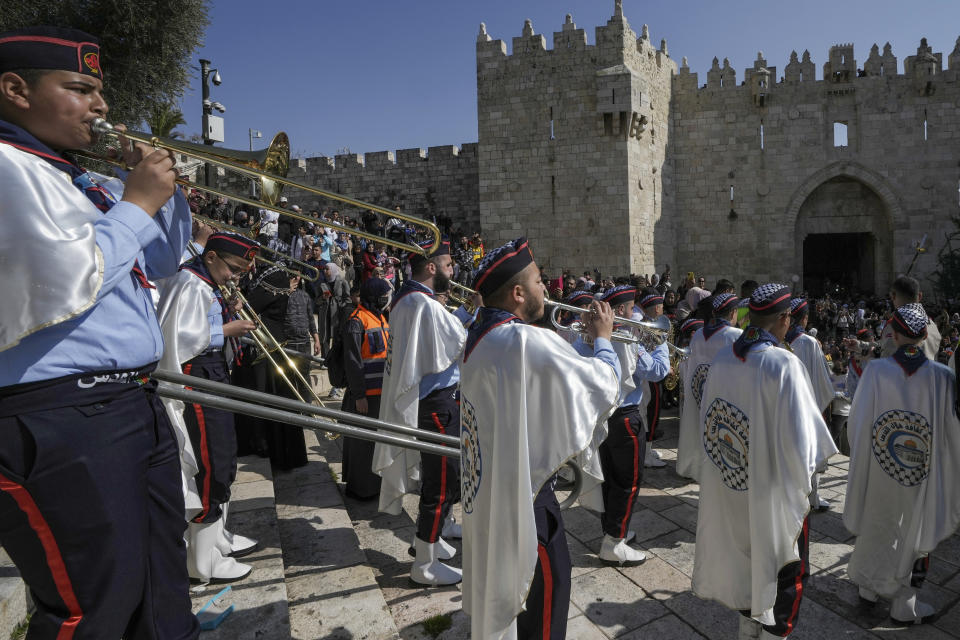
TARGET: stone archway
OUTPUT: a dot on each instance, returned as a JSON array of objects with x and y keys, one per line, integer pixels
[{"x": 843, "y": 219}]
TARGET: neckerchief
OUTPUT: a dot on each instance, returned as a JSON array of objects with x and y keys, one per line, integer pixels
[
  {"x": 21, "y": 139},
  {"x": 750, "y": 338},
  {"x": 408, "y": 287},
  {"x": 488, "y": 318},
  {"x": 197, "y": 267},
  {"x": 856, "y": 367},
  {"x": 793, "y": 333},
  {"x": 910, "y": 357},
  {"x": 714, "y": 326}
]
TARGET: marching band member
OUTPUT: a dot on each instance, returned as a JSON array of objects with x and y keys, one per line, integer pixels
[
  {"x": 808, "y": 349},
  {"x": 200, "y": 339},
  {"x": 651, "y": 304},
  {"x": 906, "y": 290},
  {"x": 529, "y": 403},
  {"x": 621, "y": 451},
  {"x": 902, "y": 489},
  {"x": 420, "y": 389},
  {"x": 90, "y": 490},
  {"x": 714, "y": 336},
  {"x": 365, "y": 336},
  {"x": 764, "y": 437}
]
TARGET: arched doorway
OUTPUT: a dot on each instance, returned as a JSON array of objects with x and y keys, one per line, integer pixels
[{"x": 843, "y": 231}]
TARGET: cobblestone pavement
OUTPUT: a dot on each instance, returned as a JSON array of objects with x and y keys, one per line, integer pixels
[{"x": 654, "y": 600}]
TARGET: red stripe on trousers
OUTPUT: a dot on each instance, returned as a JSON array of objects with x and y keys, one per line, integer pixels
[
  {"x": 799, "y": 581},
  {"x": 547, "y": 589},
  {"x": 443, "y": 485},
  {"x": 58, "y": 570},
  {"x": 633, "y": 487},
  {"x": 204, "y": 455},
  {"x": 656, "y": 410}
]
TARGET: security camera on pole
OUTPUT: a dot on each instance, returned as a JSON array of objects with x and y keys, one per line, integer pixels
[{"x": 212, "y": 125}]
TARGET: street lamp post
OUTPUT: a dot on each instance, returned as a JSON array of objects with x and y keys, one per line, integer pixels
[{"x": 212, "y": 125}]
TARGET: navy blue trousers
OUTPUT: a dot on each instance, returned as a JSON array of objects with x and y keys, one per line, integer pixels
[
  {"x": 91, "y": 508},
  {"x": 439, "y": 412},
  {"x": 791, "y": 580},
  {"x": 548, "y": 602},
  {"x": 621, "y": 458},
  {"x": 214, "y": 439}
]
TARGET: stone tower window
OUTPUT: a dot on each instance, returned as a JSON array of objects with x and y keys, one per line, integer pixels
[
  {"x": 839, "y": 134},
  {"x": 608, "y": 124},
  {"x": 761, "y": 134},
  {"x": 925, "y": 125},
  {"x": 552, "y": 136}
]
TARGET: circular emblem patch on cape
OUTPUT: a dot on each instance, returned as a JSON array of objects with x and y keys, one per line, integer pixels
[
  {"x": 471, "y": 462},
  {"x": 901, "y": 445},
  {"x": 726, "y": 439},
  {"x": 698, "y": 380}
]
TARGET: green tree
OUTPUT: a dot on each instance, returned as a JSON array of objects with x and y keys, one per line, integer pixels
[
  {"x": 163, "y": 119},
  {"x": 146, "y": 45}
]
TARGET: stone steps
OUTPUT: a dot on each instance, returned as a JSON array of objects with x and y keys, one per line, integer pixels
[{"x": 13, "y": 597}]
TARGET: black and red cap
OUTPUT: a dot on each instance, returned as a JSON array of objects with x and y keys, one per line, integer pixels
[
  {"x": 500, "y": 265},
  {"x": 232, "y": 243},
  {"x": 799, "y": 308},
  {"x": 442, "y": 250},
  {"x": 579, "y": 298},
  {"x": 770, "y": 298},
  {"x": 54, "y": 48},
  {"x": 621, "y": 294},
  {"x": 724, "y": 303}
]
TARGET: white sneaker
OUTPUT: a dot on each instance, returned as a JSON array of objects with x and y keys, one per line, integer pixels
[
  {"x": 427, "y": 568},
  {"x": 749, "y": 629},
  {"x": 451, "y": 529},
  {"x": 617, "y": 550},
  {"x": 652, "y": 459}
]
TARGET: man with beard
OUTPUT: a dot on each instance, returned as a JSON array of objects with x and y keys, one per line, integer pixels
[{"x": 420, "y": 390}]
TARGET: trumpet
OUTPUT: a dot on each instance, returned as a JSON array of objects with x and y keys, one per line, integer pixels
[
  {"x": 462, "y": 296},
  {"x": 269, "y": 167},
  {"x": 657, "y": 330}
]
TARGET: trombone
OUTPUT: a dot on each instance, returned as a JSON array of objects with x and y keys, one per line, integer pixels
[
  {"x": 270, "y": 168},
  {"x": 270, "y": 407},
  {"x": 210, "y": 222}
]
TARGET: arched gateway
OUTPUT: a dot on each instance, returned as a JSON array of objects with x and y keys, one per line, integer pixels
[{"x": 843, "y": 219}]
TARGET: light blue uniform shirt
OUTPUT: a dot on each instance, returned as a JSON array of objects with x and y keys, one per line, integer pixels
[
  {"x": 651, "y": 365},
  {"x": 120, "y": 332},
  {"x": 602, "y": 348},
  {"x": 215, "y": 318}
]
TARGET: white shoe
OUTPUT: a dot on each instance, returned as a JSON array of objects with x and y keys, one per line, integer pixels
[
  {"x": 445, "y": 550},
  {"x": 233, "y": 544},
  {"x": 868, "y": 595},
  {"x": 652, "y": 459},
  {"x": 451, "y": 529},
  {"x": 907, "y": 608},
  {"x": 749, "y": 629},
  {"x": 205, "y": 562},
  {"x": 427, "y": 568},
  {"x": 617, "y": 550}
]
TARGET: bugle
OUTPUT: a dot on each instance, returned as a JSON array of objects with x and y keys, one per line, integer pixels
[
  {"x": 657, "y": 329},
  {"x": 251, "y": 165}
]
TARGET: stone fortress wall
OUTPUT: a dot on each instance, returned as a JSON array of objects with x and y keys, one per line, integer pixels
[{"x": 611, "y": 156}]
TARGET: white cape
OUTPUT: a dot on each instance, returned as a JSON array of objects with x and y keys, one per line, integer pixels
[
  {"x": 690, "y": 453},
  {"x": 52, "y": 268},
  {"x": 529, "y": 403},
  {"x": 591, "y": 492},
  {"x": 764, "y": 437},
  {"x": 182, "y": 311},
  {"x": 903, "y": 488},
  {"x": 808, "y": 349},
  {"x": 424, "y": 339}
]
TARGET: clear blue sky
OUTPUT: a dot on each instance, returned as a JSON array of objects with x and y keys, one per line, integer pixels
[{"x": 390, "y": 74}]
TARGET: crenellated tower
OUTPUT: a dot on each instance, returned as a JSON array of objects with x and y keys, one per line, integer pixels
[{"x": 572, "y": 145}]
